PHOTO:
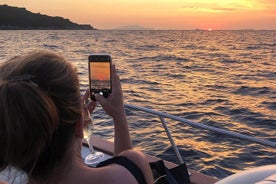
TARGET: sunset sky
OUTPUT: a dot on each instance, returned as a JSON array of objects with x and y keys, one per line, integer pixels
[
  {"x": 159, "y": 14},
  {"x": 100, "y": 71}
]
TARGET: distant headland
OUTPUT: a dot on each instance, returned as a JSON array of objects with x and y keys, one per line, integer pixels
[{"x": 14, "y": 18}]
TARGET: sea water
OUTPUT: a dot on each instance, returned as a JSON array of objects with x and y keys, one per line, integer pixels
[{"x": 225, "y": 79}]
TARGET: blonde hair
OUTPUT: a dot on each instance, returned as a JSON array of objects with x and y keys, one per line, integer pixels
[{"x": 40, "y": 104}]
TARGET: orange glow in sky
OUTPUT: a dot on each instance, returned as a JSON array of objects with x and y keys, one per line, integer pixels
[{"x": 160, "y": 14}]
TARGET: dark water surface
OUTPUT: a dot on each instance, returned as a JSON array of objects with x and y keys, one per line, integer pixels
[{"x": 225, "y": 79}]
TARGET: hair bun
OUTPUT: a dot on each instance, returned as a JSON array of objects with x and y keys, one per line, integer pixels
[{"x": 29, "y": 121}]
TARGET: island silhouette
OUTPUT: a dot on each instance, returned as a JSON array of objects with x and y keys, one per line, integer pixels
[{"x": 15, "y": 18}]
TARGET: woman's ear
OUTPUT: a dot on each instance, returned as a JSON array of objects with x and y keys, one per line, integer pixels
[{"x": 79, "y": 128}]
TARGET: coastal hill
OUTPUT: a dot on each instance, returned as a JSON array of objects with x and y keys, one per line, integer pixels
[{"x": 14, "y": 18}]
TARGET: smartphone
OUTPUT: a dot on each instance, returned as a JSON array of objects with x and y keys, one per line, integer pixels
[{"x": 99, "y": 67}]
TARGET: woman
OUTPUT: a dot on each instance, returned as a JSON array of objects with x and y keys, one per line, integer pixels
[{"x": 41, "y": 123}]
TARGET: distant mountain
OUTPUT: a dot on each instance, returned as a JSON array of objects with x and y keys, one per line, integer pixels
[
  {"x": 19, "y": 18},
  {"x": 132, "y": 27}
]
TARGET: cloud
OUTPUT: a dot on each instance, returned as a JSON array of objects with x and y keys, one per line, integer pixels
[
  {"x": 214, "y": 9},
  {"x": 224, "y": 9},
  {"x": 268, "y": 5},
  {"x": 228, "y": 6}
]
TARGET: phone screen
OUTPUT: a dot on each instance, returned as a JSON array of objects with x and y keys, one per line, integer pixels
[{"x": 99, "y": 75}]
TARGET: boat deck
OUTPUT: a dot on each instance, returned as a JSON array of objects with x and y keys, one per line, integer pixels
[{"x": 107, "y": 148}]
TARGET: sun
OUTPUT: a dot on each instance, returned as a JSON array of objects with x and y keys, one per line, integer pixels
[{"x": 210, "y": 29}]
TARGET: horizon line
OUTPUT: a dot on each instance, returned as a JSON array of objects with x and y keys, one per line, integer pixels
[{"x": 184, "y": 30}]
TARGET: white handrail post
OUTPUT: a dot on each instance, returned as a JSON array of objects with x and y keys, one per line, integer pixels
[{"x": 171, "y": 139}]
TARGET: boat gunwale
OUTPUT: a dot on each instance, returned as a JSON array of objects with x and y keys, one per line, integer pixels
[{"x": 107, "y": 147}]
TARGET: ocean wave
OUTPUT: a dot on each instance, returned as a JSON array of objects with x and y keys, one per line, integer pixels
[
  {"x": 197, "y": 115},
  {"x": 48, "y": 46},
  {"x": 270, "y": 105},
  {"x": 166, "y": 58},
  {"x": 136, "y": 81},
  {"x": 261, "y": 46},
  {"x": 253, "y": 91},
  {"x": 253, "y": 47},
  {"x": 149, "y": 47},
  {"x": 214, "y": 101}
]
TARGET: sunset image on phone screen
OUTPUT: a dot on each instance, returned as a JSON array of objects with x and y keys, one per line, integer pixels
[{"x": 100, "y": 75}]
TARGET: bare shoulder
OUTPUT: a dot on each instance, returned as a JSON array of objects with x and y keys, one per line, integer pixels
[
  {"x": 134, "y": 155},
  {"x": 137, "y": 157}
]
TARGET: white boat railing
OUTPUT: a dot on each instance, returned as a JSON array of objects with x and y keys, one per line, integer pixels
[{"x": 162, "y": 117}]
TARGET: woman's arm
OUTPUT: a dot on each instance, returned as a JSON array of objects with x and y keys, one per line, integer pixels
[{"x": 114, "y": 106}]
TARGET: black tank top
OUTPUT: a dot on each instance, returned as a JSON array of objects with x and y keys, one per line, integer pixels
[{"x": 128, "y": 164}]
